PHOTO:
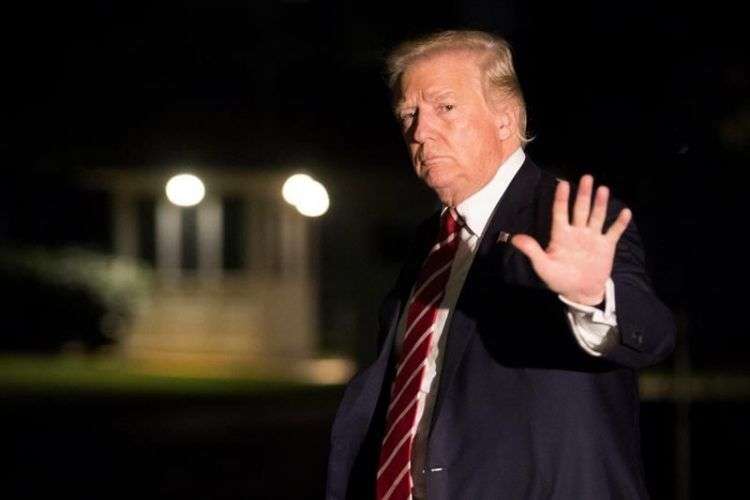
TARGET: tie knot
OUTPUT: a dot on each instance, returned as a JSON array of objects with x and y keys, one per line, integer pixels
[{"x": 448, "y": 224}]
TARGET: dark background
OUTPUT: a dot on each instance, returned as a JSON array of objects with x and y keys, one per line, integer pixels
[{"x": 652, "y": 98}]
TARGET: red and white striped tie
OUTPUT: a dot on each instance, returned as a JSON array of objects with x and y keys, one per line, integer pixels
[{"x": 394, "y": 480}]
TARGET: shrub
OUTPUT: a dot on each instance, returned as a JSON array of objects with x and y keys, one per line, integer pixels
[{"x": 57, "y": 297}]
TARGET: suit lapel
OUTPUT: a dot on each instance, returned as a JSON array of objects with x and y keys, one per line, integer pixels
[
  {"x": 512, "y": 215},
  {"x": 394, "y": 304},
  {"x": 360, "y": 415}
]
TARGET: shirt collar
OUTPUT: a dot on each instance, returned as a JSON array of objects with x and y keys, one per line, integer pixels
[{"x": 475, "y": 211}]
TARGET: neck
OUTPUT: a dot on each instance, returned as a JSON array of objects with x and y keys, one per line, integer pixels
[{"x": 453, "y": 199}]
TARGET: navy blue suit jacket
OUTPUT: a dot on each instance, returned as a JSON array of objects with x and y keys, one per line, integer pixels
[{"x": 522, "y": 412}]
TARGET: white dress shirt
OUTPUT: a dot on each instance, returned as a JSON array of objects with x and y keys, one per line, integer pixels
[{"x": 593, "y": 328}]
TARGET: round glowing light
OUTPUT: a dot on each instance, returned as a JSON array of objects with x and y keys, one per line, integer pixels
[
  {"x": 308, "y": 196},
  {"x": 294, "y": 187},
  {"x": 314, "y": 201},
  {"x": 185, "y": 190}
]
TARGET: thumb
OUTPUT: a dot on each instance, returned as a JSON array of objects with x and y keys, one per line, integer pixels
[{"x": 528, "y": 246}]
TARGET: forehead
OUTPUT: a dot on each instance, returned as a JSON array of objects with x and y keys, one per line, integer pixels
[{"x": 427, "y": 77}]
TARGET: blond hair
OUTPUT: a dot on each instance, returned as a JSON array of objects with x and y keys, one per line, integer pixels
[{"x": 496, "y": 64}]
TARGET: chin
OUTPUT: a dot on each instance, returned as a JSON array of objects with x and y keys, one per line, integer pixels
[
  {"x": 434, "y": 176},
  {"x": 445, "y": 192}
]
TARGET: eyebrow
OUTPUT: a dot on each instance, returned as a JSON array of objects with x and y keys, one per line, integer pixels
[
  {"x": 431, "y": 97},
  {"x": 400, "y": 106}
]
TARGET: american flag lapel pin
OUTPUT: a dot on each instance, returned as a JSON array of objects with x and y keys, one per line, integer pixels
[{"x": 503, "y": 237}]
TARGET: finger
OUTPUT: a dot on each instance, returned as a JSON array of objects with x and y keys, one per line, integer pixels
[
  {"x": 619, "y": 225},
  {"x": 529, "y": 247},
  {"x": 599, "y": 212},
  {"x": 560, "y": 205},
  {"x": 583, "y": 201}
]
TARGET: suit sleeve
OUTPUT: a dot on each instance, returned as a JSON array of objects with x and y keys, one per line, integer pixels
[{"x": 645, "y": 325}]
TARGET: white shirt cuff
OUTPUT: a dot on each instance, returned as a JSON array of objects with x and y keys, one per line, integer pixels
[{"x": 594, "y": 329}]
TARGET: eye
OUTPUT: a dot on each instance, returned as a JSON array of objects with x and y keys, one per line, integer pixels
[
  {"x": 406, "y": 117},
  {"x": 447, "y": 107}
]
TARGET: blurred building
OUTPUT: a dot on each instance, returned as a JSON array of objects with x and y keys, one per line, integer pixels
[{"x": 234, "y": 276}]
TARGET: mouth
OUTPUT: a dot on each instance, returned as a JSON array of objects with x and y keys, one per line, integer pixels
[{"x": 431, "y": 160}]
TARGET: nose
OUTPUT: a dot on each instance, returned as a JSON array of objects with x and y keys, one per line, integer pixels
[{"x": 422, "y": 129}]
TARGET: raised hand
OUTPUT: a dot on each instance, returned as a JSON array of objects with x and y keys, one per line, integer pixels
[{"x": 578, "y": 260}]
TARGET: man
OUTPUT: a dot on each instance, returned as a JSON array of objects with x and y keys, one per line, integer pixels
[{"x": 509, "y": 344}]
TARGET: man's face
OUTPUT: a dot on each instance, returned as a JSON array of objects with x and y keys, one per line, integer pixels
[{"x": 456, "y": 139}]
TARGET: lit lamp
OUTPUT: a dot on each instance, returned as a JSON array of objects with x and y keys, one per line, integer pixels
[
  {"x": 307, "y": 195},
  {"x": 185, "y": 190}
]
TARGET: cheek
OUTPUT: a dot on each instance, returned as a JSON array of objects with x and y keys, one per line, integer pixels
[
  {"x": 484, "y": 138},
  {"x": 457, "y": 135},
  {"x": 413, "y": 153},
  {"x": 469, "y": 141}
]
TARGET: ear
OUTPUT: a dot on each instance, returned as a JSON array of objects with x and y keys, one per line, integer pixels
[{"x": 505, "y": 121}]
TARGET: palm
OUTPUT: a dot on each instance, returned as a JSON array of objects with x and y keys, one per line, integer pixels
[{"x": 578, "y": 260}]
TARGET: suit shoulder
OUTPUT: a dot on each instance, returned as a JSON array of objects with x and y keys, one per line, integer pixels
[
  {"x": 548, "y": 184},
  {"x": 430, "y": 222}
]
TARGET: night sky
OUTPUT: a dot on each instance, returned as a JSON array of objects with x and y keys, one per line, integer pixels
[{"x": 650, "y": 98}]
